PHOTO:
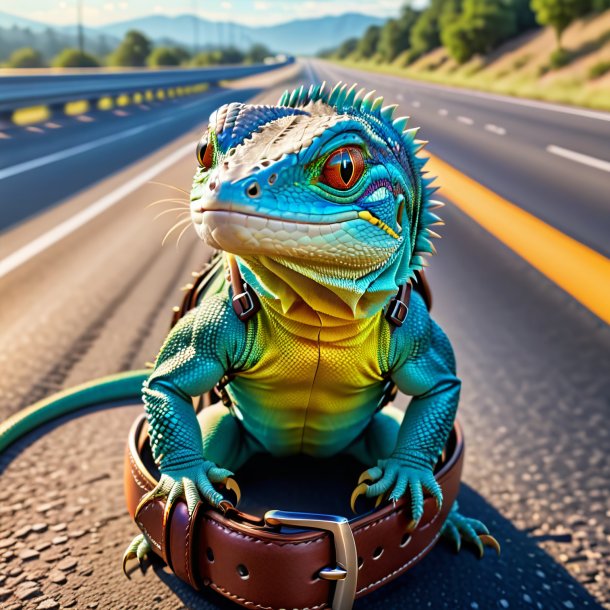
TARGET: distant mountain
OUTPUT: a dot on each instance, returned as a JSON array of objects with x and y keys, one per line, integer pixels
[
  {"x": 299, "y": 37},
  {"x": 8, "y": 21}
]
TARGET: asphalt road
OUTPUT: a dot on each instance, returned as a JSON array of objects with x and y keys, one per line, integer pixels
[{"x": 534, "y": 365}]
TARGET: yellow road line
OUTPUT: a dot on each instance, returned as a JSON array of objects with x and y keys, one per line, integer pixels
[{"x": 579, "y": 270}]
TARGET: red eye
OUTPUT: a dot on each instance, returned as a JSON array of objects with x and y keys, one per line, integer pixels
[
  {"x": 205, "y": 152},
  {"x": 343, "y": 168}
]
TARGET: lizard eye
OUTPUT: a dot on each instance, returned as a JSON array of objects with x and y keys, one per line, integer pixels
[
  {"x": 205, "y": 152},
  {"x": 343, "y": 168}
]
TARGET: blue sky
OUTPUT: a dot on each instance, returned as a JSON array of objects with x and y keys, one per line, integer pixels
[{"x": 251, "y": 12}]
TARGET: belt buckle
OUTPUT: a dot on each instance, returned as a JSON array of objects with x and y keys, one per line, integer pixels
[{"x": 345, "y": 573}]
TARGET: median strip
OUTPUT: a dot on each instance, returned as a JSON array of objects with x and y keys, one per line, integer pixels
[{"x": 579, "y": 270}]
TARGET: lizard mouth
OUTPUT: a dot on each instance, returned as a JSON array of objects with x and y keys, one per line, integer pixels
[{"x": 198, "y": 215}]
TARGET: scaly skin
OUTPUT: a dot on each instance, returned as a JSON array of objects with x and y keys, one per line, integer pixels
[{"x": 323, "y": 203}]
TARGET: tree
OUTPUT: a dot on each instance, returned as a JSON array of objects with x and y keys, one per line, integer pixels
[
  {"x": 367, "y": 46},
  {"x": 425, "y": 34},
  {"x": 26, "y": 57},
  {"x": 559, "y": 13},
  {"x": 228, "y": 55},
  {"x": 231, "y": 55},
  {"x": 133, "y": 50},
  {"x": 524, "y": 15},
  {"x": 163, "y": 56},
  {"x": 395, "y": 34},
  {"x": 257, "y": 53},
  {"x": 347, "y": 47},
  {"x": 73, "y": 58},
  {"x": 483, "y": 25},
  {"x": 600, "y": 5}
]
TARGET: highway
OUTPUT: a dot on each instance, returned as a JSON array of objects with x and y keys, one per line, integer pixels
[{"x": 95, "y": 298}]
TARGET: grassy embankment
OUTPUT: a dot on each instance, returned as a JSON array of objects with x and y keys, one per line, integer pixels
[{"x": 523, "y": 67}]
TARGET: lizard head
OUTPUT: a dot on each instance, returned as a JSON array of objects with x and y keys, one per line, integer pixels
[{"x": 328, "y": 183}]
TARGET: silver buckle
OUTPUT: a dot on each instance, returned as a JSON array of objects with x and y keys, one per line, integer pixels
[
  {"x": 249, "y": 302},
  {"x": 345, "y": 573}
]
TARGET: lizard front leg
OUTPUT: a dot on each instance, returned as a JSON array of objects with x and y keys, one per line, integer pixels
[
  {"x": 196, "y": 354},
  {"x": 422, "y": 365}
]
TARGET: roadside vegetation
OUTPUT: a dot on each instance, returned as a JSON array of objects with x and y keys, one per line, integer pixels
[
  {"x": 135, "y": 50},
  {"x": 556, "y": 50}
]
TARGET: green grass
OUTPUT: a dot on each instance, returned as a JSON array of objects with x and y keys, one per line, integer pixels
[{"x": 571, "y": 90}]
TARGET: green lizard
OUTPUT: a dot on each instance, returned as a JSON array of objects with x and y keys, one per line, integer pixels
[{"x": 324, "y": 205}]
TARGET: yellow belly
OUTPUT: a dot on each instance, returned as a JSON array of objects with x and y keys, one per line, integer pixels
[{"x": 308, "y": 395}]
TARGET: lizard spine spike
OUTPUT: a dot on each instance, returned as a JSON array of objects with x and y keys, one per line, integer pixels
[{"x": 387, "y": 112}]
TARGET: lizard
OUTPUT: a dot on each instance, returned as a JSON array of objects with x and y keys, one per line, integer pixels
[{"x": 321, "y": 203}]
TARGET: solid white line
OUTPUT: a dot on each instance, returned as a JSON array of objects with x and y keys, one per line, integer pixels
[
  {"x": 466, "y": 120},
  {"x": 48, "y": 239},
  {"x": 500, "y": 131},
  {"x": 579, "y": 157},
  {"x": 26, "y": 166}
]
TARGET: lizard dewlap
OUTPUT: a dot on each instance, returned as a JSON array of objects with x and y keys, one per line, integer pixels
[{"x": 324, "y": 213}]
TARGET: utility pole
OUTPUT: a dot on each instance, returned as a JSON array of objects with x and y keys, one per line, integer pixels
[{"x": 79, "y": 21}]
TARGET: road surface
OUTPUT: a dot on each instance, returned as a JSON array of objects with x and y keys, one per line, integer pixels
[{"x": 96, "y": 298}]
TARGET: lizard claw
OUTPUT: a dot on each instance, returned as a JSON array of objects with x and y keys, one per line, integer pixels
[
  {"x": 360, "y": 490},
  {"x": 491, "y": 542},
  {"x": 231, "y": 484},
  {"x": 138, "y": 548},
  {"x": 163, "y": 488},
  {"x": 458, "y": 528},
  {"x": 370, "y": 476}
]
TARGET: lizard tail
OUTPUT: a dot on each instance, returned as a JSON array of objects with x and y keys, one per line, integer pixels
[{"x": 123, "y": 386}]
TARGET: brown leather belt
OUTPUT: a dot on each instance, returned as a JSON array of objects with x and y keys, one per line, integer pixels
[{"x": 266, "y": 563}]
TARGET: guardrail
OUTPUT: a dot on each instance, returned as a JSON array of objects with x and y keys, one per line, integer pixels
[{"x": 56, "y": 90}]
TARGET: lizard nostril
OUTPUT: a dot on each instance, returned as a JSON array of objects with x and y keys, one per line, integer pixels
[
  {"x": 212, "y": 185},
  {"x": 253, "y": 190}
]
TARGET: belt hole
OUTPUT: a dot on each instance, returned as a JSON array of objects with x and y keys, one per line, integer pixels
[
  {"x": 210, "y": 554},
  {"x": 405, "y": 540},
  {"x": 360, "y": 563},
  {"x": 378, "y": 552},
  {"x": 242, "y": 570}
]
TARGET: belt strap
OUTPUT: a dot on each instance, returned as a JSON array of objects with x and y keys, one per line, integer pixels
[{"x": 257, "y": 564}]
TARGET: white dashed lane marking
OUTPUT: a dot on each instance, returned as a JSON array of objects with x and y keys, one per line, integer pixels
[
  {"x": 416, "y": 104},
  {"x": 572, "y": 155},
  {"x": 465, "y": 120},
  {"x": 500, "y": 131},
  {"x": 443, "y": 112}
]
